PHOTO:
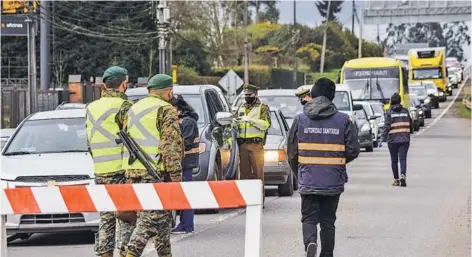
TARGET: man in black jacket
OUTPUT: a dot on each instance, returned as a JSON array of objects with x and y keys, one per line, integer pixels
[
  {"x": 320, "y": 144},
  {"x": 188, "y": 127}
]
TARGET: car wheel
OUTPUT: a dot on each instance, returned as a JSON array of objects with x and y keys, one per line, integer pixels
[
  {"x": 422, "y": 123},
  {"x": 287, "y": 188},
  {"x": 376, "y": 143},
  {"x": 437, "y": 105},
  {"x": 416, "y": 127},
  {"x": 429, "y": 114},
  {"x": 369, "y": 149}
]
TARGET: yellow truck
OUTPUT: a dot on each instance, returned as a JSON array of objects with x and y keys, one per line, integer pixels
[{"x": 428, "y": 64}]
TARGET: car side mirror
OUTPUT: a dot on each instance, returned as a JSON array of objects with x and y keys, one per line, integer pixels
[
  {"x": 358, "y": 107},
  {"x": 224, "y": 118},
  {"x": 373, "y": 117}
]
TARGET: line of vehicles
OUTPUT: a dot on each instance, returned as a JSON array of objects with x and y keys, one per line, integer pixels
[{"x": 49, "y": 148}]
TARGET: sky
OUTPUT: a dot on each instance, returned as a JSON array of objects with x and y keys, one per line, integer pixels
[{"x": 308, "y": 14}]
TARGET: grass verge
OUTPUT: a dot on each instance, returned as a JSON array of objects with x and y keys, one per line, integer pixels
[{"x": 459, "y": 107}]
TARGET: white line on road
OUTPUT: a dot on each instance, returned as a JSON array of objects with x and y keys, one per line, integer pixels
[{"x": 445, "y": 110}]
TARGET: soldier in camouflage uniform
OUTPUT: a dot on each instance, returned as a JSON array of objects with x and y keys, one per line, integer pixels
[
  {"x": 104, "y": 118},
  {"x": 154, "y": 124}
]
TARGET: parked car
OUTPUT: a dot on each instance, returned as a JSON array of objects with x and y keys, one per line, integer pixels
[
  {"x": 415, "y": 114},
  {"x": 344, "y": 103},
  {"x": 219, "y": 152},
  {"x": 379, "y": 111},
  {"x": 277, "y": 171},
  {"x": 5, "y": 134},
  {"x": 48, "y": 149},
  {"x": 364, "y": 130},
  {"x": 68, "y": 106},
  {"x": 422, "y": 96},
  {"x": 282, "y": 99},
  {"x": 372, "y": 119}
]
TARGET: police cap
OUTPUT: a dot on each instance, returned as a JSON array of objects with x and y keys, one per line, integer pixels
[{"x": 250, "y": 89}]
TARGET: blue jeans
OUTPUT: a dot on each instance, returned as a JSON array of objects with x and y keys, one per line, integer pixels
[
  {"x": 186, "y": 216},
  {"x": 398, "y": 151}
]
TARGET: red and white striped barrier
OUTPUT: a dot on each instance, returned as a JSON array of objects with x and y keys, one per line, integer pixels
[{"x": 137, "y": 197}]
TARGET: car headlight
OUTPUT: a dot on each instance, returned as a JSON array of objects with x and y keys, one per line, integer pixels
[
  {"x": 441, "y": 93},
  {"x": 365, "y": 127},
  {"x": 427, "y": 100},
  {"x": 436, "y": 94},
  {"x": 420, "y": 111},
  {"x": 274, "y": 156}
]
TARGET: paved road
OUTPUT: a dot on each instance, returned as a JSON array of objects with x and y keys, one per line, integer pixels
[{"x": 428, "y": 218}]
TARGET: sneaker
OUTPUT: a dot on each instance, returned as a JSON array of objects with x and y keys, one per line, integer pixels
[
  {"x": 179, "y": 231},
  {"x": 311, "y": 250},
  {"x": 396, "y": 182},
  {"x": 403, "y": 181}
]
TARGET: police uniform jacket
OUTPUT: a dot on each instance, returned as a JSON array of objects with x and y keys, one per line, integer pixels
[
  {"x": 321, "y": 142},
  {"x": 398, "y": 125}
]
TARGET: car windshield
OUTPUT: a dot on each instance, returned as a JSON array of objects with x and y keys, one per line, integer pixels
[
  {"x": 415, "y": 101},
  {"x": 49, "y": 136},
  {"x": 378, "y": 108},
  {"x": 373, "y": 88},
  {"x": 427, "y": 73},
  {"x": 3, "y": 142},
  {"x": 275, "y": 128},
  {"x": 419, "y": 91},
  {"x": 361, "y": 115},
  {"x": 341, "y": 100},
  {"x": 289, "y": 105}
]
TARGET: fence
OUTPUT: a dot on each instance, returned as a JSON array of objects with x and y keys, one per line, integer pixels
[{"x": 137, "y": 197}]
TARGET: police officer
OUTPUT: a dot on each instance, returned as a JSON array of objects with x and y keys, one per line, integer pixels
[
  {"x": 397, "y": 130},
  {"x": 321, "y": 142},
  {"x": 253, "y": 122},
  {"x": 154, "y": 124},
  {"x": 189, "y": 128},
  {"x": 303, "y": 94},
  {"x": 104, "y": 119}
]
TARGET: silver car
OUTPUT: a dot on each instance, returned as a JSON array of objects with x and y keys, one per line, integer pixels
[
  {"x": 276, "y": 168},
  {"x": 48, "y": 149}
]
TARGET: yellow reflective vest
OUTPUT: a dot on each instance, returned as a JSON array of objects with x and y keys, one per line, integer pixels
[
  {"x": 248, "y": 130},
  {"x": 102, "y": 131},
  {"x": 141, "y": 126}
]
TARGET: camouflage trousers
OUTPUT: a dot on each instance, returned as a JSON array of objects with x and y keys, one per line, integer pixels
[
  {"x": 111, "y": 229},
  {"x": 150, "y": 224}
]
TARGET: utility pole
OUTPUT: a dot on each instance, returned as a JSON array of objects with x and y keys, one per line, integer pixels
[
  {"x": 353, "y": 14},
  {"x": 360, "y": 34},
  {"x": 163, "y": 22},
  {"x": 31, "y": 30},
  {"x": 323, "y": 50},
  {"x": 294, "y": 42},
  {"x": 44, "y": 45},
  {"x": 246, "y": 46}
]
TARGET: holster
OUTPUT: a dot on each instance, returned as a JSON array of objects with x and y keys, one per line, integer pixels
[{"x": 127, "y": 216}]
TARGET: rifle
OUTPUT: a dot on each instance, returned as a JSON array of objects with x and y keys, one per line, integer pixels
[{"x": 135, "y": 152}]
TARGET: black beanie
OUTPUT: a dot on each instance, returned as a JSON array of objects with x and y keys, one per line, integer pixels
[{"x": 324, "y": 87}]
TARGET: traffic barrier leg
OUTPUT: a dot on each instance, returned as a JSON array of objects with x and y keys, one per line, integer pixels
[{"x": 3, "y": 236}]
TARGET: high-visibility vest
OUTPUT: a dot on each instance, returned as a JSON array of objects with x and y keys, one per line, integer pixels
[
  {"x": 246, "y": 129},
  {"x": 102, "y": 130},
  {"x": 141, "y": 126}
]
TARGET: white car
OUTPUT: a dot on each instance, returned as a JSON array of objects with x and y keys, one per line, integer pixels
[
  {"x": 48, "y": 149},
  {"x": 373, "y": 120},
  {"x": 5, "y": 134}
]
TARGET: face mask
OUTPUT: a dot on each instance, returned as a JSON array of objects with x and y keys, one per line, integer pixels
[
  {"x": 303, "y": 102},
  {"x": 249, "y": 99}
]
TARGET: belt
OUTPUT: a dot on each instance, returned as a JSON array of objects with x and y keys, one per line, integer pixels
[{"x": 255, "y": 140}]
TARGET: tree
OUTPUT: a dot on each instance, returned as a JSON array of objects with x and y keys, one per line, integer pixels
[
  {"x": 190, "y": 51},
  {"x": 270, "y": 13},
  {"x": 335, "y": 8}
]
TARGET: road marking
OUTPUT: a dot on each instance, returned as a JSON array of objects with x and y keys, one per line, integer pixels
[{"x": 445, "y": 110}]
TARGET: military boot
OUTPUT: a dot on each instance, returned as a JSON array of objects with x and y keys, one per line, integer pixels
[
  {"x": 396, "y": 182},
  {"x": 403, "y": 180},
  {"x": 108, "y": 254}
]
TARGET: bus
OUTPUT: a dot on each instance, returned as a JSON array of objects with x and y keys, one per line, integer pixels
[
  {"x": 428, "y": 64},
  {"x": 376, "y": 79}
]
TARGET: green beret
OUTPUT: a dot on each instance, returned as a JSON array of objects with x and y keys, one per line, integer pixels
[
  {"x": 160, "y": 81},
  {"x": 250, "y": 89},
  {"x": 302, "y": 92},
  {"x": 114, "y": 71}
]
